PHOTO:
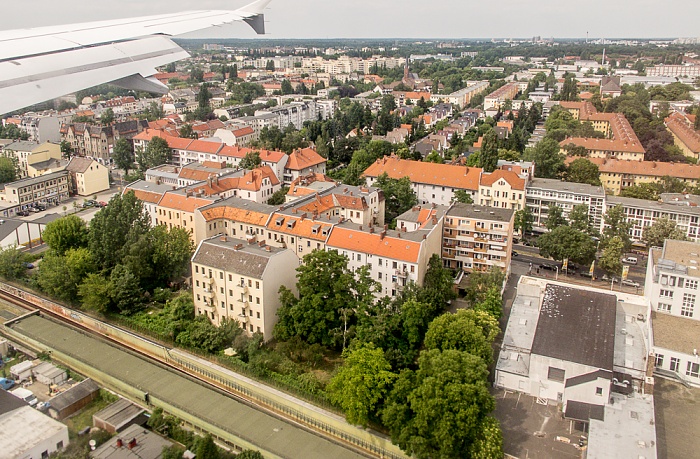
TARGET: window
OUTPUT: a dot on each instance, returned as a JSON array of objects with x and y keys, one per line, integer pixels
[
  {"x": 556, "y": 374},
  {"x": 257, "y": 314},
  {"x": 599, "y": 391},
  {"x": 693, "y": 369},
  {"x": 257, "y": 284},
  {"x": 666, "y": 293},
  {"x": 691, "y": 284},
  {"x": 664, "y": 307},
  {"x": 675, "y": 363},
  {"x": 659, "y": 360},
  {"x": 688, "y": 305}
]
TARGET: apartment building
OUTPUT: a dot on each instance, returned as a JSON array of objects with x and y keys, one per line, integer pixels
[
  {"x": 256, "y": 185},
  {"x": 98, "y": 141},
  {"x": 672, "y": 288},
  {"x": 234, "y": 217},
  {"x": 642, "y": 213},
  {"x": 684, "y": 134},
  {"x": 309, "y": 184},
  {"x": 433, "y": 183},
  {"x": 620, "y": 140},
  {"x": 462, "y": 97},
  {"x": 303, "y": 162},
  {"x": 30, "y": 154},
  {"x": 358, "y": 204},
  {"x": 149, "y": 194},
  {"x": 618, "y": 174},
  {"x": 503, "y": 189},
  {"x": 234, "y": 279},
  {"x": 394, "y": 258},
  {"x": 477, "y": 238},
  {"x": 542, "y": 193},
  {"x": 497, "y": 98},
  {"x": 88, "y": 177},
  {"x": 49, "y": 189},
  {"x": 176, "y": 209},
  {"x": 680, "y": 71}
]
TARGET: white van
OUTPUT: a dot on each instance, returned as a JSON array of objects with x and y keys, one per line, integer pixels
[
  {"x": 25, "y": 395},
  {"x": 630, "y": 260}
]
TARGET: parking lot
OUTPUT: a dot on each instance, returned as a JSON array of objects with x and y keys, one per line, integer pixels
[{"x": 532, "y": 430}]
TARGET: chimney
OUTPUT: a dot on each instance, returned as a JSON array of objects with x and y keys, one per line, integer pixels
[
  {"x": 424, "y": 236},
  {"x": 224, "y": 238},
  {"x": 132, "y": 443},
  {"x": 386, "y": 227},
  {"x": 399, "y": 235},
  {"x": 294, "y": 211},
  {"x": 403, "y": 229},
  {"x": 238, "y": 246},
  {"x": 120, "y": 443},
  {"x": 371, "y": 230},
  {"x": 360, "y": 227},
  {"x": 382, "y": 234},
  {"x": 434, "y": 220},
  {"x": 261, "y": 244},
  {"x": 268, "y": 248}
]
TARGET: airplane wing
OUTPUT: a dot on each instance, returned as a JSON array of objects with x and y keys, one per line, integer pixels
[{"x": 47, "y": 62}]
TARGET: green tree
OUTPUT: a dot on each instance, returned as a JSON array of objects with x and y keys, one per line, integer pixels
[
  {"x": 250, "y": 454},
  {"x": 270, "y": 66},
  {"x": 187, "y": 132},
  {"x": 94, "y": 293},
  {"x": 66, "y": 233},
  {"x": 278, "y": 197},
  {"x": 327, "y": 298},
  {"x": 579, "y": 219},
  {"x": 610, "y": 258},
  {"x": 468, "y": 330},
  {"x": 123, "y": 155},
  {"x": 8, "y": 169},
  {"x": 115, "y": 227},
  {"x": 286, "y": 88},
  {"x": 173, "y": 452},
  {"x": 12, "y": 263},
  {"x": 463, "y": 197},
  {"x": 206, "y": 448},
  {"x": 438, "y": 284},
  {"x": 398, "y": 194},
  {"x": 566, "y": 242},
  {"x": 107, "y": 117},
  {"x": 662, "y": 229},
  {"x": 616, "y": 224},
  {"x": 126, "y": 293},
  {"x": 433, "y": 157},
  {"x": 361, "y": 384},
  {"x": 489, "y": 442},
  {"x": 648, "y": 191},
  {"x": 60, "y": 276},
  {"x": 492, "y": 302},
  {"x": 569, "y": 91},
  {"x": 549, "y": 162},
  {"x": 428, "y": 413},
  {"x": 251, "y": 160},
  {"x": 156, "y": 153},
  {"x": 582, "y": 170},
  {"x": 555, "y": 217},
  {"x": 488, "y": 156},
  {"x": 522, "y": 221}
]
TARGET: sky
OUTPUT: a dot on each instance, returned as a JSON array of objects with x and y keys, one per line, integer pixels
[{"x": 398, "y": 19}]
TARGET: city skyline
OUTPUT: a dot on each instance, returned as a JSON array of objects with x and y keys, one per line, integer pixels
[{"x": 451, "y": 19}]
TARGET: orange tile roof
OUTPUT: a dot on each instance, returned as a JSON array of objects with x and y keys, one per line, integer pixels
[
  {"x": 184, "y": 203},
  {"x": 198, "y": 175},
  {"x": 299, "y": 186},
  {"x": 459, "y": 177},
  {"x": 418, "y": 95},
  {"x": 511, "y": 177},
  {"x": 591, "y": 143},
  {"x": 319, "y": 205},
  {"x": 178, "y": 143},
  {"x": 202, "y": 146},
  {"x": 507, "y": 89},
  {"x": 235, "y": 214},
  {"x": 645, "y": 168},
  {"x": 252, "y": 181},
  {"x": 373, "y": 243},
  {"x": 302, "y": 159},
  {"x": 302, "y": 227},
  {"x": 146, "y": 196},
  {"x": 243, "y": 131},
  {"x": 148, "y": 134},
  {"x": 214, "y": 164},
  {"x": 686, "y": 134},
  {"x": 240, "y": 152}
]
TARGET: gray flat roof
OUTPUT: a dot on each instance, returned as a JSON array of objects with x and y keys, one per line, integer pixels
[
  {"x": 118, "y": 413},
  {"x": 675, "y": 333},
  {"x": 153, "y": 187},
  {"x": 39, "y": 179},
  {"x": 148, "y": 445},
  {"x": 577, "y": 325},
  {"x": 651, "y": 205},
  {"x": 559, "y": 185},
  {"x": 235, "y": 255},
  {"x": 481, "y": 212},
  {"x": 74, "y": 394}
]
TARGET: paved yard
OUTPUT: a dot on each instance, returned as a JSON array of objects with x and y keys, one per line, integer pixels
[
  {"x": 677, "y": 419},
  {"x": 531, "y": 430}
]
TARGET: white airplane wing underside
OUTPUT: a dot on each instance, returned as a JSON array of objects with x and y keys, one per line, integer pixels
[{"x": 44, "y": 63}]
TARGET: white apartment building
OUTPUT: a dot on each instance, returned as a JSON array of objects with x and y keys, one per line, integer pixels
[
  {"x": 237, "y": 280},
  {"x": 672, "y": 288},
  {"x": 502, "y": 189},
  {"x": 395, "y": 258},
  {"x": 642, "y": 213},
  {"x": 541, "y": 193}
]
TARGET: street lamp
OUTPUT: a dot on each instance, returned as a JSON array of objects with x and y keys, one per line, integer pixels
[{"x": 556, "y": 276}]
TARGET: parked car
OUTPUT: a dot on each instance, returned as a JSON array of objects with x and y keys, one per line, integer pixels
[
  {"x": 102, "y": 204},
  {"x": 23, "y": 213},
  {"x": 607, "y": 278},
  {"x": 89, "y": 203},
  {"x": 585, "y": 274},
  {"x": 34, "y": 209},
  {"x": 630, "y": 260},
  {"x": 28, "y": 265},
  {"x": 547, "y": 266},
  {"x": 7, "y": 384},
  {"x": 630, "y": 283},
  {"x": 514, "y": 253}
]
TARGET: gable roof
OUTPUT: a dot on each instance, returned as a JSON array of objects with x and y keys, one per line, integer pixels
[
  {"x": 645, "y": 168},
  {"x": 374, "y": 243},
  {"x": 238, "y": 210},
  {"x": 513, "y": 179},
  {"x": 79, "y": 165},
  {"x": 182, "y": 202},
  {"x": 303, "y": 159},
  {"x": 458, "y": 177},
  {"x": 686, "y": 134}
]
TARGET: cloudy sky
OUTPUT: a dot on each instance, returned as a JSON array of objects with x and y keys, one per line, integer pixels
[{"x": 399, "y": 19}]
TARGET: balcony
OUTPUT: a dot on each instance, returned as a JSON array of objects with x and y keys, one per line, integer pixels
[
  {"x": 242, "y": 318},
  {"x": 402, "y": 273}
]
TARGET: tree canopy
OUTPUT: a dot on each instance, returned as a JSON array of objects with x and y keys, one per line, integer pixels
[
  {"x": 662, "y": 229},
  {"x": 566, "y": 242}
]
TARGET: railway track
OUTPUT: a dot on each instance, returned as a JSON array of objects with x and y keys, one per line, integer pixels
[{"x": 241, "y": 388}]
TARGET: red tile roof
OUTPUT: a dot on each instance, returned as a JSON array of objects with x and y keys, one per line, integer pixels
[
  {"x": 184, "y": 203},
  {"x": 512, "y": 178},
  {"x": 459, "y": 177},
  {"x": 645, "y": 168},
  {"x": 676, "y": 123}
]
